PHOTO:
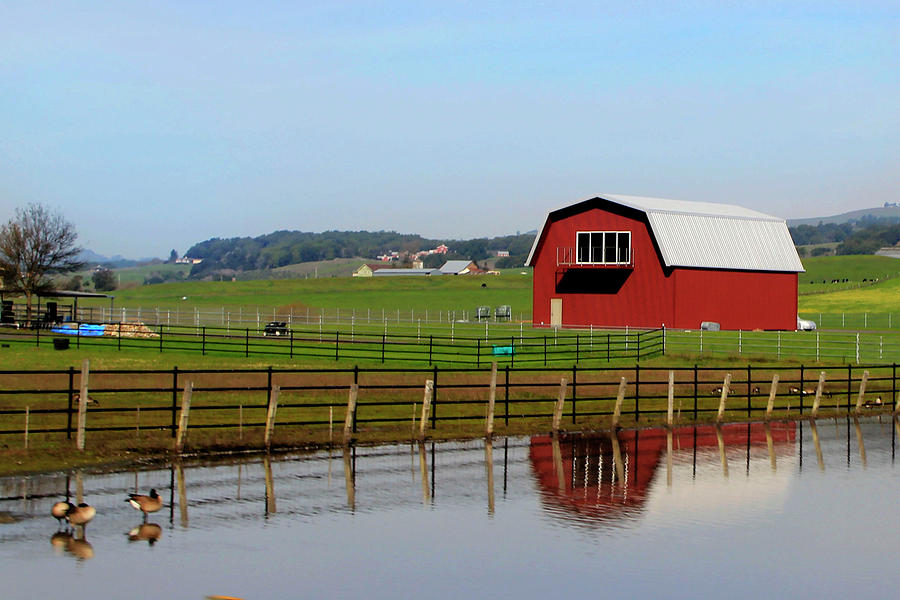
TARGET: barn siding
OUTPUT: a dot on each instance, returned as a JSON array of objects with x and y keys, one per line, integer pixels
[
  {"x": 652, "y": 295},
  {"x": 735, "y": 299},
  {"x": 644, "y": 299}
]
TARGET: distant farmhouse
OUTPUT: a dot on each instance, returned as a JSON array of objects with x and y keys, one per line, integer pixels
[
  {"x": 451, "y": 267},
  {"x": 647, "y": 262},
  {"x": 396, "y": 256},
  {"x": 368, "y": 269},
  {"x": 186, "y": 260},
  {"x": 459, "y": 267}
]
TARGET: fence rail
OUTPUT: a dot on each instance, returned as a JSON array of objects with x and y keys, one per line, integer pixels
[
  {"x": 803, "y": 345},
  {"x": 256, "y": 317},
  {"x": 45, "y": 402},
  {"x": 531, "y": 347}
]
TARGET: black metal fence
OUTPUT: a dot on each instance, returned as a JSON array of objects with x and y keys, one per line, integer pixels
[
  {"x": 148, "y": 400},
  {"x": 535, "y": 347}
]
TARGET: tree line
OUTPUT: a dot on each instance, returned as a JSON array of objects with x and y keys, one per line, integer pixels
[
  {"x": 864, "y": 236},
  {"x": 283, "y": 248}
]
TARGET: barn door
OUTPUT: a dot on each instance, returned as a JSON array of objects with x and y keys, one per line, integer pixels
[{"x": 556, "y": 312}]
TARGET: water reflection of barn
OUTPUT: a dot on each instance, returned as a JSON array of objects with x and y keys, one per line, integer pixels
[{"x": 582, "y": 479}]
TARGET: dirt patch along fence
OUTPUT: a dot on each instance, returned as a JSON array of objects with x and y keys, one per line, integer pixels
[{"x": 312, "y": 404}]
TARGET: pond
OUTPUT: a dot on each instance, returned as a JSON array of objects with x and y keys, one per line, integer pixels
[{"x": 790, "y": 509}]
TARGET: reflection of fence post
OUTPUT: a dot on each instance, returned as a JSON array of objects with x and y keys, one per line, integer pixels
[
  {"x": 492, "y": 398},
  {"x": 617, "y": 411},
  {"x": 725, "y": 387},
  {"x": 862, "y": 390},
  {"x": 270, "y": 414},
  {"x": 185, "y": 411},
  {"x": 560, "y": 401},
  {"x": 773, "y": 391},
  {"x": 426, "y": 406},
  {"x": 350, "y": 417},
  {"x": 818, "y": 400},
  {"x": 82, "y": 404}
]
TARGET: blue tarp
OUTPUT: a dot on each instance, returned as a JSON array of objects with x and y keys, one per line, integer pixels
[{"x": 83, "y": 330}]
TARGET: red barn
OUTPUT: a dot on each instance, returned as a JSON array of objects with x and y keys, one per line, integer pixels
[{"x": 647, "y": 262}]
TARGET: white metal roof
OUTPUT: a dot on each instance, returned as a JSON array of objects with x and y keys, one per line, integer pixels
[
  {"x": 454, "y": 267},
  {"x": 710, "y": 235}
]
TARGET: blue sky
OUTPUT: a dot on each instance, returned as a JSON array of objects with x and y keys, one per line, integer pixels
[{"x": 154, "y": 126}]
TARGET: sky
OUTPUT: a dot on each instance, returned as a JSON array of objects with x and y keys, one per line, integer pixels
[{"x": 153, "y": 126}]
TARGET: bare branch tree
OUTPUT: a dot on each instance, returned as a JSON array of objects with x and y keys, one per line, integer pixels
[{"x": 35, "y": 244}]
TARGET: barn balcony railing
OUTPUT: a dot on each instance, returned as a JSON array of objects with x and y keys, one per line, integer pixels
[{"x": 567, "y": 258}]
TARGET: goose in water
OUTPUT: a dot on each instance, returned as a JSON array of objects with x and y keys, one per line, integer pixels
[
  {"x": 80, "y": 515},
  {"x": 145, "y": 504}
]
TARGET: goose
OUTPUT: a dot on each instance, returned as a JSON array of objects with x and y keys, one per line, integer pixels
[
  {"x": 80, "y": 515},
  {"x": 59, "y": 510},
  {"x": 146, "y": 504},
  {"x": 874, "y": 403}
]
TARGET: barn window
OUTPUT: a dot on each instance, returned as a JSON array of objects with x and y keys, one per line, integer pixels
[{"x": 603, "y": 247}]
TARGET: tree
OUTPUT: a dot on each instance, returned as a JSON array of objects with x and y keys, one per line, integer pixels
[
  {"x": 104, "y": 280},
  {"x": 173, "y": 256},
  {"x": 35, "y": 244},
  {"x": 74, "y": 284}
]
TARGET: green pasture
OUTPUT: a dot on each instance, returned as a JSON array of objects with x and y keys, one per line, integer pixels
[
  {"x": 820, "y": 272},
  {"x": 883, "y": 297},
  {"x": 461, "y": 293},
  {"x": 443, "y": 293},
  {"x": 128, "y": 277}
]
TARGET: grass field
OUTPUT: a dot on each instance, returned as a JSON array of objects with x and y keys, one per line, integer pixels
[
  {"x": 361, "y": 293},
  {"x": 466, "y": 293},
  {"x": 822, "y": 270},
  {"x": 731, "y": 350}
]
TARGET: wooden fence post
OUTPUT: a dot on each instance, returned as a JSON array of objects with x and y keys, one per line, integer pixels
[
  {"x": 270, "y": 415},
  {"x": 620, "y": 397},
  {"x": 185, "y": 412},
  {"x": 725, "y": 388},
  {"x": 69, "y": 405},
  {"x": 773, "y": 391},
  {"x": 351, "y": 412},
  {"x": 560, "y": 401},
  {"x": 492, "y": 398},
  {"x": 426, "y": 406},
  {"x": 818, "y": 400},
  {"x": 671, "y": 405},
  {"x": 82, "y": 404},
  {"x": 862, "y": 391}
]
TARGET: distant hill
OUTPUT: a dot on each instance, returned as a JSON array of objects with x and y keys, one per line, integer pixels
[
  {"x": 886, "y": 213},
  {"x": 91, "y": 259},
  {"x": 236, "y": 256}
]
